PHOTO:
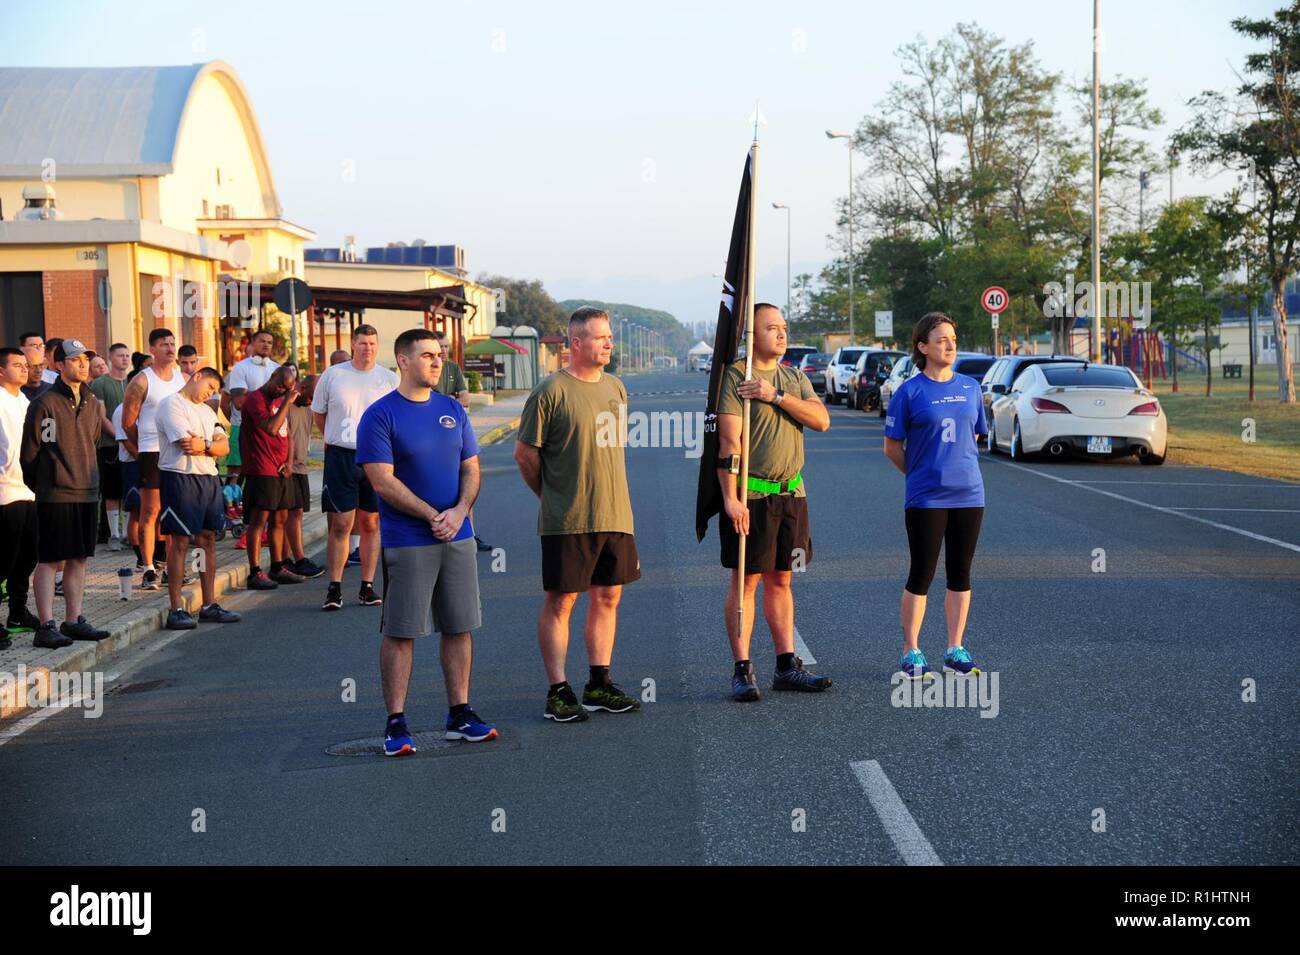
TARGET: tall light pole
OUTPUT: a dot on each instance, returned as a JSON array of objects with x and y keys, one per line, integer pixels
[
  {"x": 1096, "y": 180},
  {"x": 848, "y": 138},
  {"x": 782, "y": 205}
]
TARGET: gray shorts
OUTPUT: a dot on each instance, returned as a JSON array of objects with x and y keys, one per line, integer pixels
[{"x": 434, "y": 587}]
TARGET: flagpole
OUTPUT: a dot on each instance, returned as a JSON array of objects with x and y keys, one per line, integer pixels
[{"x": 743, "y": 490}]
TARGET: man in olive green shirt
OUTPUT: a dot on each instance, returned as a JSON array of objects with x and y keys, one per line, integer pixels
[
  {"x": 109, "y": 389},
  {"x": 452, "y": 380},
  {"x": 585, "y": 520},
  {"x": 773, "y": 518}
]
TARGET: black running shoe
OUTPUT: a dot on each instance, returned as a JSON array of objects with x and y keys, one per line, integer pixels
[
  {"x": 609, "y": 698},
  {"x": 563, "y": 707},
  {"x": 333, "y": 598},
  {"x": 368, "y": 597},
  {"x": 744, "y": 686},
  {"x": 797, "y": 678},
  {"x": 48, "y": 637},
  {"x": 81, "y": 630},
  {"x": 150, "y": 580}
]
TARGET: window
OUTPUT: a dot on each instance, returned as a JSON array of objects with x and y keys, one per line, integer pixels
[
  {"x": 994, "y": 374},
  {"x": 1089, "y": 376},
  {"x": 205, "y": 208},
  {"x": 218, "y": 175},
  {"x": 975, "y": 367}
]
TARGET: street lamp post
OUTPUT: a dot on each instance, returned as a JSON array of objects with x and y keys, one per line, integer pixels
[
  {"x": 782, "y": 205},
  {"x": 848, "y": 137}
]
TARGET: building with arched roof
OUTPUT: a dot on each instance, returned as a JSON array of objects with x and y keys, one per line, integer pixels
[{"x": 151, "y": 182}]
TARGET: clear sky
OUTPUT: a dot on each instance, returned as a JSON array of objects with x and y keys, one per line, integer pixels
[{"x": 596, "y": 146}]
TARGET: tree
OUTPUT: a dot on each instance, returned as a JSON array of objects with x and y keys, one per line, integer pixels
[
  {"x": 1187, "y": 256},
  {"x": 528, "y": 303},
  {"x": 1266, "y": 139}
]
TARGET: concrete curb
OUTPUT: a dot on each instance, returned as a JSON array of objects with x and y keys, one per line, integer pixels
[
  {"x": 499, "y": 433},
  {"x": 130, "y": 631}
]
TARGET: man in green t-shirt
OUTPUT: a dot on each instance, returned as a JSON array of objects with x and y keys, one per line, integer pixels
[
  {"x": 452, "y": 380},
  {"x": 452, "y": 383},
  {"x": 566, "y": 457},
  {"x": 774, "y": 516},
  {"x": 109, "y": 389}
]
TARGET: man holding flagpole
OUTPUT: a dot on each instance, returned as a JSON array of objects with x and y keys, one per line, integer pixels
[{"x": 765, "y": 525}]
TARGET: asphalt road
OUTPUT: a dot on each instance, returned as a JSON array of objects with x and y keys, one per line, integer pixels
[{"x": 1119, "y": 690}]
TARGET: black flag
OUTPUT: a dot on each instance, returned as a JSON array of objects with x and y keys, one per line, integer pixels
[{"x": 726, "y": 342}]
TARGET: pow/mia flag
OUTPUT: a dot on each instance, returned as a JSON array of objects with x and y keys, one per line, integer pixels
[{"x": 726, "y": 342}]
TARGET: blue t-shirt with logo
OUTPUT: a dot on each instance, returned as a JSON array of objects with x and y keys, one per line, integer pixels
[
  {"x": 940, "y": 420},
  {"x": 425, "y": 442}
]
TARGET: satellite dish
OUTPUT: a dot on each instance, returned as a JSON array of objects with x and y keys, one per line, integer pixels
[{"x": 418, "y": 243}]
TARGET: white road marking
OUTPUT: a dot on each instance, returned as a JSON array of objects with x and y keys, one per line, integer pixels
[
  {"x": 801, "y": 648},
  {"x": 1156, "y": 507},
  {"x": 908, "y": 838},
  {"x": 1250, "y": 510},
  {"x": 1276, "y": 487}
]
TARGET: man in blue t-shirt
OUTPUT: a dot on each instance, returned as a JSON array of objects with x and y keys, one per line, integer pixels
[{"x": 420, "y": 455}]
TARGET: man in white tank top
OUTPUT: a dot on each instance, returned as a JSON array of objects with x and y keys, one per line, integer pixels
[{"x": 140, "y": 422}]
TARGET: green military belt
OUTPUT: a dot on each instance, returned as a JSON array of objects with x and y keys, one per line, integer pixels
[{"x": 760, "y": 486}]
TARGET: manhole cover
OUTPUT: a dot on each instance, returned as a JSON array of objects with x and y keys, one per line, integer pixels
[
  {"x": 374, "y": 746},
  {"x": 142, "y": 687}
]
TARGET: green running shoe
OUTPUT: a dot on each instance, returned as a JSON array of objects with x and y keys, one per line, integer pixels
[
  {"x": 563, "y": 707},
  {"x": 609, "y": 698}
]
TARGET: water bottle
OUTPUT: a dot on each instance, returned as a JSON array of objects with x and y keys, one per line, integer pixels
[{"x": 124, "y": 576}]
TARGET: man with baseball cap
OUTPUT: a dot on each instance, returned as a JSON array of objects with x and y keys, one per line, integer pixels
[{"x": 60, "y": 463}]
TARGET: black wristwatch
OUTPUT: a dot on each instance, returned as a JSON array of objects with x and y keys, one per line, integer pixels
[
  {"x": 730, "y": 462},
  {"x": 780, "y": 394}
]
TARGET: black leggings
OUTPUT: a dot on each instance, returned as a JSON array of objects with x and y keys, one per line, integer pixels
[{"x": 958, "y": 529}]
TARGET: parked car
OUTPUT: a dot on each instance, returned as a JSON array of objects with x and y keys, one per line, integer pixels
[
  {"x": 863, "y": 386},
  {"x": 1068, "y": 408},
  {"x": 794, "y": 353},
  {"x": 814, "y": 366},
  {"x": 842, "y": 363},
  {"x": 971, "y": 363},
  {"x": 997, "y": 380}
]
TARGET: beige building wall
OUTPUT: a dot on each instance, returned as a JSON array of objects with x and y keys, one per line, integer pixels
[{"x": 401, "y": 278}]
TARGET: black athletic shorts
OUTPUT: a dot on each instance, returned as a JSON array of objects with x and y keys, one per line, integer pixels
[
  {"x": 346, "y": 487},
  {"x": 150, "y": 476},
  {"x": 572, "y": 563},
  {"x": 302, "y": 493},
  {"x": 779, "y": 535},
  {"x": 110, "y": 474},
  {"x": 66, "y": 531},
  {"x": 266, "y": 493}
]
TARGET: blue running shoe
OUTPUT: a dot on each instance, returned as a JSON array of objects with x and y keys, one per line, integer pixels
[
  {"x": 397, "y": 740},
  {"x": 957, "y": 660},
  {"x": 469, "y": 727},
  {"x": 914, "y": 667},
  {"x": 354, "y": 558}
]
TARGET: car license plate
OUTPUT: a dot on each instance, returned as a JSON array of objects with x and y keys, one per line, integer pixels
[{"x": 1099, "y": 444}]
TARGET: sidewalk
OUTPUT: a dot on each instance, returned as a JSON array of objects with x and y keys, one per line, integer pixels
[{"x": 24, "y": 667}]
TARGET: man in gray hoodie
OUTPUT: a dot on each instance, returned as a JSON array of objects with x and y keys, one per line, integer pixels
[{"x": 60, "y": 463}]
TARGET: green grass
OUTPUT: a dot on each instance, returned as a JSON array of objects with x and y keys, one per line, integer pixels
[{"x": 1210, "y": 431}]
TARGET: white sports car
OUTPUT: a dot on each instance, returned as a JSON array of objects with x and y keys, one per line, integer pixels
[{"x": 1096, "y": 410}]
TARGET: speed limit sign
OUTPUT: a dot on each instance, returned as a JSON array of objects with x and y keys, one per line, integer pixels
[{"x": 995, "y": 299}]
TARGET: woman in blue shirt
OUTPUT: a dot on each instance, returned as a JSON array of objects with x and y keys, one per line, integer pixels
[{"x": 933, "y": 428}]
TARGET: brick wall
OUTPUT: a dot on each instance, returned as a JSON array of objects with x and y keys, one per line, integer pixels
[{"x": 71, "y": 307}]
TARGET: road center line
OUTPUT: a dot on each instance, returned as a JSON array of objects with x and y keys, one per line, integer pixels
[
  {"x": 801, "y": 648},
  {"x": 1248, "y": 510},
  {"x": 1156, "y": 507},
  {"x": 908, "y": 838}
]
